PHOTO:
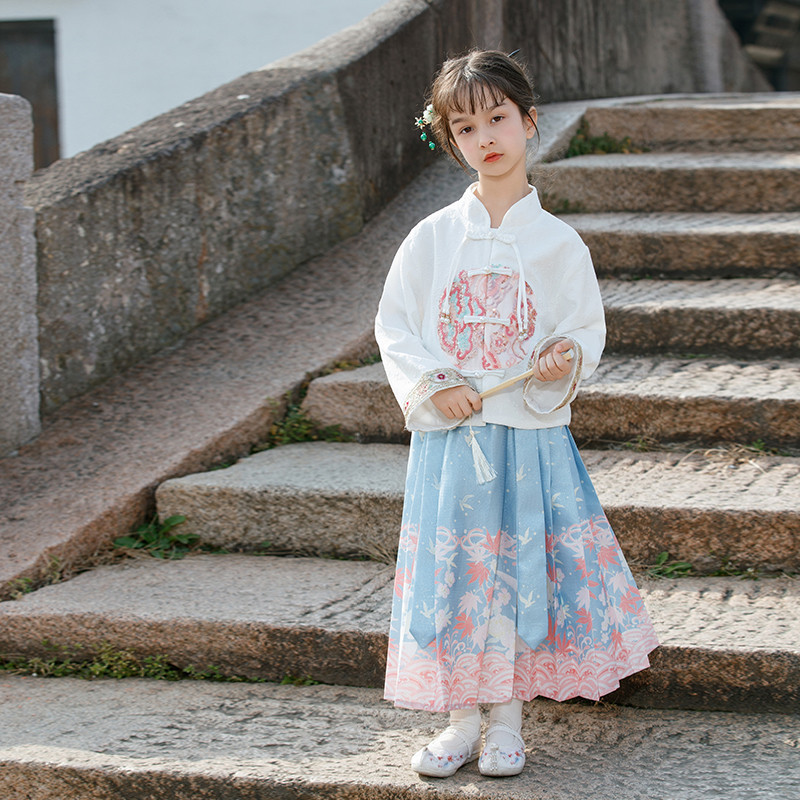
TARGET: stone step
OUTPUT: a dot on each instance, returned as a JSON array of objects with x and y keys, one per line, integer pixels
[
  {"x": 703, "y": 122},
  {"x": 346, "y": 500},
  {"x": 84, "y": 740},
  {"x": 736, "y": 182},
  {"x": 686, "y": 245},
  {"x": 704, "y": 400},
  {"x": 725, "y": 643},
  {"x": 743, "y": 318}
]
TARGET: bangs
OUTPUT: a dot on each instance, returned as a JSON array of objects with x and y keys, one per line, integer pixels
[{"x": 471, "y": 94}]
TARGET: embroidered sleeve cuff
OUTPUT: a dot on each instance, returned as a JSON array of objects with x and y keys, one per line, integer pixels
[
  {"x": 544, "y": 397},
  {"x": 430, "y": 383}
]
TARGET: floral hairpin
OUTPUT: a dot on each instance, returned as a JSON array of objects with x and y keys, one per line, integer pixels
[{"x": 421, "y": 122}]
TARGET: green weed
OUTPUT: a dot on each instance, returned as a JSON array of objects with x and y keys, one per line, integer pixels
[
  {"x": 641, "y": 444},
  {"x": 584, "y": 144},
  {"x": 111, "y": 662},
  {"x": 664, "y": 568},
  {"x": 728, "y": 571},
  {"x": 19, "y": 587},
  {"x": 157, "y": 538},
  {"x": 296, "y": 427},
  {"x": 296, "y": 680}
]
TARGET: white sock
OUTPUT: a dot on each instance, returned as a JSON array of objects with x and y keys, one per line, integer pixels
[
  {"x": 510, "y": 714},
  {"x": 466, "y": 721}
]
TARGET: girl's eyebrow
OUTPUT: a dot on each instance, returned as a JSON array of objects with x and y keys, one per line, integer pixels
[{"x": 459, "y": 120}]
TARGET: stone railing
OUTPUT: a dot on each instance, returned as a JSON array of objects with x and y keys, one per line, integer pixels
[
  {"x": 150, "y": 234},
  {"x": 19, "y": 368}
]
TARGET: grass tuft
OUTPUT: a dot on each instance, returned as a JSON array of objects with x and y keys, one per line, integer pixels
[
  {"x": 664, "y": 568},
  {"x": 295, "y": 427},
  {"x": 584, "y": 144},
  {"x": 111, "y": 662},
  {"x": 296, "y": 680},
  {"x": 158, "y": 540}
]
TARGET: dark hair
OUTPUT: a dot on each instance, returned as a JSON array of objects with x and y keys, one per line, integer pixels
[{"x": 467, "y": 83}]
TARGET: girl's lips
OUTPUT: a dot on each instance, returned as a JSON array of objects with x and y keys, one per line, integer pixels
[{"x": 492, "y": 156}]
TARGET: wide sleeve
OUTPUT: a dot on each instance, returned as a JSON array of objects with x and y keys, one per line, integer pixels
[
  {"x": 414, "y": 372},
  {"x": 579, "y": 309}
]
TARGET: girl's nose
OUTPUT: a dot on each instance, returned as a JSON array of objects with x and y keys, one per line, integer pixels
[{"x": 486, "y": 139}]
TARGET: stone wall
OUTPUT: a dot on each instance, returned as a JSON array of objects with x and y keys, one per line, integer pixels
[
  {"x": 19, "y": 369},
  {"x": 148, "y": 235},
  {"x": 578, "y": 49}
]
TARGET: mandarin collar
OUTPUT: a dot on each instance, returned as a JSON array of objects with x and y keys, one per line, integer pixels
[{"x": 520, "y": 214}]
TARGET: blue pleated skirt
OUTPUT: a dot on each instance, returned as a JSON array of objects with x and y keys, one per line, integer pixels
[{"x": 512, "y": 588}]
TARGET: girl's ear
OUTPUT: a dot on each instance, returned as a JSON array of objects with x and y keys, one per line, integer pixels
[{"x": 531, "y": 122}]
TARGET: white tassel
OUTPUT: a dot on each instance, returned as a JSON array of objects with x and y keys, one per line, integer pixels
[{"x": 483, "y": 469}]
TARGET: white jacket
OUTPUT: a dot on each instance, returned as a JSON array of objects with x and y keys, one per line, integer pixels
[{"x": 452, "y": 312}]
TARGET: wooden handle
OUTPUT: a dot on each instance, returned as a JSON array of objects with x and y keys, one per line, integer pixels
[{"x": 511, "y": 381}]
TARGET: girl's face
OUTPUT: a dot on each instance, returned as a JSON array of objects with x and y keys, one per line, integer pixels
[{"x": 493, "y": 139}]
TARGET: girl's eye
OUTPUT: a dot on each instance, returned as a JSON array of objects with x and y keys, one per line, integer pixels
[
  {"x": 497, "y": 118},
  {"x": 467, "y": 129}
]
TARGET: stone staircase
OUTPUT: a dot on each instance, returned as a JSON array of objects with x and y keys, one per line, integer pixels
[{"x": 703, "y": 305}]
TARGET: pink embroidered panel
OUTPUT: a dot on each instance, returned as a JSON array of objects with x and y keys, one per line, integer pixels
[{"x": 478, "y": 324}]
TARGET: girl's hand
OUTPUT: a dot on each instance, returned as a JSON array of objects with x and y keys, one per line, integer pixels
[
  {"x": 551, "y": 365},
  {"x": 457, "y": 402}
]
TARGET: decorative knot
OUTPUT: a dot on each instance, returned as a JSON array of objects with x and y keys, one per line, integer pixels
[{"x": 491, "y": 233}]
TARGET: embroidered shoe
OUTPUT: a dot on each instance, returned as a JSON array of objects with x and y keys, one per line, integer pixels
[
  {"x": 442, "y": 766},
  {"x": 497, "y": 761}
]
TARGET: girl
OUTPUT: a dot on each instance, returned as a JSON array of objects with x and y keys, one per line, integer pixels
[{"x": 510, "y": 582}]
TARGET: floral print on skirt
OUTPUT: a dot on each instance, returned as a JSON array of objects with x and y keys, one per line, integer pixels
[{"x": 465, "y": 547}]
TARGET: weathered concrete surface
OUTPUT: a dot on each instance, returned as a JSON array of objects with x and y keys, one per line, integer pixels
[
  {"x": 741, "y": 182},
  {"x": 257, "y": 616},
  {"x": 339, "y": 499},
  {"x": 725, "y": 643},
  {"x": 90, "y": 476},
  {"x": 656, "y": 398},
  {"x": 346, "y": 499},
  {"x": 578, "y": 50},
  {"x": 360, "y": 402},
  {"x": 743, "y": 318},
  {"x": 708, "y": 400},
  {"x": 19, "y": 366},
  {"x": 684, "y": 245},
  {"x": 704, "y": 122},
  {"x": 261, "y": 617},
  {"x": 78, "y": 740}
]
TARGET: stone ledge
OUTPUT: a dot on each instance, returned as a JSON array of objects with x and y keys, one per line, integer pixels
[
  {"x": 685, "y": 245},
  {"x": 206, "y": 741},
  {"x": 725, "y": 643},
  {"x": 704, "y": 122},
  {"x": 742, "y": 318},
  {"x": 741, "y": 182},
  {"x": 346, "y": 499},
  {"x": 19, "y": 356}
]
